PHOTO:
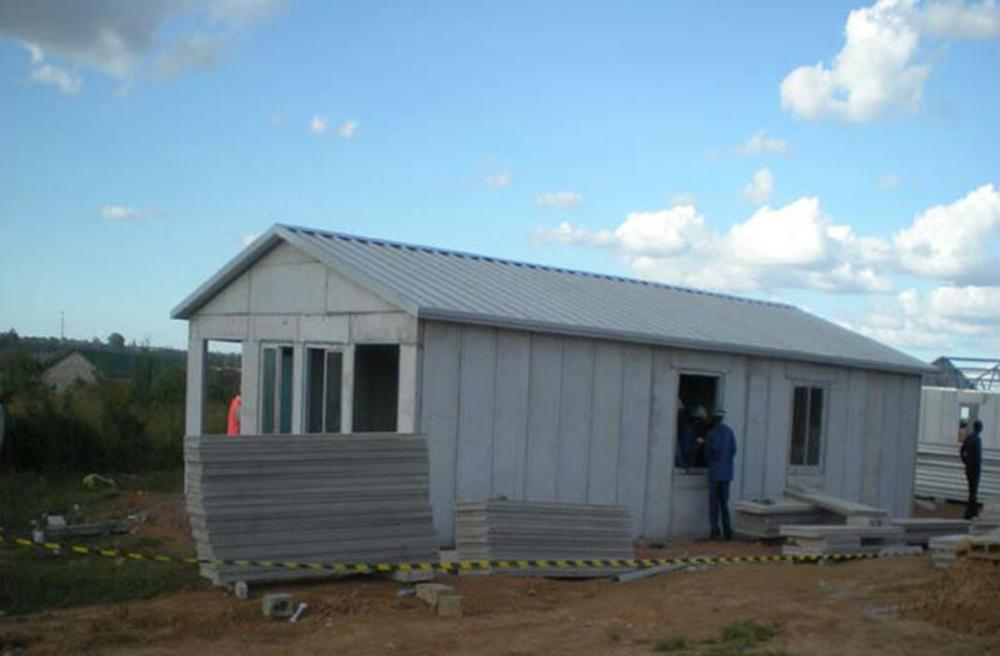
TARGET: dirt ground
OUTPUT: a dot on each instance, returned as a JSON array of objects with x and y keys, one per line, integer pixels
[{"x": 890, "y": 606}]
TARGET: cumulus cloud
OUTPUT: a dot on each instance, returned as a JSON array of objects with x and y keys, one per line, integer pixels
[
  {"x": 760, "y": 188},
  {"x": 879, "y": 67},
  {"x": 120, "y": 37},
  {"x": 499, "y": 180},
  {"x": 319, "y": 125},
  {"x": 120, "y": 213},
  {"x": 347, "y": 129},
  {"x": 953, "y": 242},
  {"x": 761, "y": 144},
  {"x": 68, "y": 83},
  {"x": 559, "y": 199}
]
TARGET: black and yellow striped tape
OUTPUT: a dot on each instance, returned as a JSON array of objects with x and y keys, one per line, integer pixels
[{"x": 445, "y": 567}]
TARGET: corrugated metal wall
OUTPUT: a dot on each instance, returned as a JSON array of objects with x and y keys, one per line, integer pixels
[{"x": 544, "y": 417}]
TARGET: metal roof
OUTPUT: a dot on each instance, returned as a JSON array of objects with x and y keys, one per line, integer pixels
[{"x": 433, "y": 283}]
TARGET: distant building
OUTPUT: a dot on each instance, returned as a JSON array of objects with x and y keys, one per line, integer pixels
[
  {"x": 86, "y": 365},
  {"x": 947, "y": 375}
]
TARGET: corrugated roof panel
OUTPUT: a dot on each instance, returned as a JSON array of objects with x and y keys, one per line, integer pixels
[{"x": 449, "y": 285}]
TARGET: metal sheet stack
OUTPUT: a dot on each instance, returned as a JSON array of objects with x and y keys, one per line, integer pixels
[
  {"x": 307, "y": 499},
  {"x": 920, "y": 530},
  {"x": 941, "y": 475},
  {"x": 762, "y": 519},
  {"x": 828, "y": 540},
  {"x": 530, "y": 530}
]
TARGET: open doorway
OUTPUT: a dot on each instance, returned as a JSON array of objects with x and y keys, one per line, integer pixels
[
  {"x": 376, "y": 387},
  {"x": 699, "y": 396},
  {"x": 223, "y": 376}
]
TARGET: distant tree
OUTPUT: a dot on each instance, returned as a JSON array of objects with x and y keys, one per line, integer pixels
[{"x": 116, "y": 340}]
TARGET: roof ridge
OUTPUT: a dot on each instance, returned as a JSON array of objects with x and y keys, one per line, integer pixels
[{"x": 531, "y": 265}]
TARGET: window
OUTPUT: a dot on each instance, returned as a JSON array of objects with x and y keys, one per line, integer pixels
[
  {"x": 323, "y": 370},
  {"x": 807, "y": 426},
  {"x": 376, "y": 387},
  {"x": 276, "y": 390},
  {"x": 696, "y": 392}
]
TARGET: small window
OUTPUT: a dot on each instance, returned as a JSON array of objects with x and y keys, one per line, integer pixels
[
  {"x": 276, "y": 390},
  {"x": 323, "y": 371},
  {"x": 376, "y": 387},
  {"x": 697, "y": 393},
  {"x": 807, "y": 426}
]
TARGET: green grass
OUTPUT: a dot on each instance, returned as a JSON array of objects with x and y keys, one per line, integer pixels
[
  {"x": 738, "y": 639},
  {"x": 32, "y": 580},
  {"x": 747, "y": 633},
  {"x": 672, "y": 643}
]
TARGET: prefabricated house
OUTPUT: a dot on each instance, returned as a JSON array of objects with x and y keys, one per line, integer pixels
[{"x": 537, "y": 383}]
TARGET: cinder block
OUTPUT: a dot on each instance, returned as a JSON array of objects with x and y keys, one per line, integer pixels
[
  {"x": 449, "y": 605},
  {"x": 432, "y": 593},
  {"x": 277, "y": 605}
]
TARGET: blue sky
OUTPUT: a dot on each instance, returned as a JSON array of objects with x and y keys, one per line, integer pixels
[{"x": 614, "y": 137}]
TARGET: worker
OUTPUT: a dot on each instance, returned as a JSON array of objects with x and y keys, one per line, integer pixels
[
  {"x": 720, "y": 451},
  {"x": 233, "y": 422},
  {"x": 972, "y": 457}
]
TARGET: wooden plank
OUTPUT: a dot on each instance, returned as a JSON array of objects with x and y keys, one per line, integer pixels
[
  {"x": 574, "y": 421},
  {"x": 439, "y": 419},
  {"x": 475, "y": 413},
  {"x": 510, "y": 430},
  {"x": 543, "y": 418},
  {"x": 662, "y": 440},
  {"x": 605, "y": 423},
  {"x": 633, "y": 444}
]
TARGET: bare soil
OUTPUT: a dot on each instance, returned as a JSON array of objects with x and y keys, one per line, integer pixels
[{"x": 890, "y": 606}]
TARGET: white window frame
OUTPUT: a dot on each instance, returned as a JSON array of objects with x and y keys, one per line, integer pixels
[
  {"x": 327, "y": 348},
  {"x": 720, "y": 401},
  {"x": 825, "y": 386}
]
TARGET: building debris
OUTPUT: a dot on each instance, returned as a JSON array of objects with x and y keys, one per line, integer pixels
[
  {"x": 648, "y": 572},
  {"x": 763, "y": 518},
  {"x": 277, "y": 605},
  {"x": 830, "y": 540},
  {"x": 299, "y": 612},
  {"x": 920, "y": 530}
]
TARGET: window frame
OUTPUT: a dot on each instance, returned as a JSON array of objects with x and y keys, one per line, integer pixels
[
  {"x": 720, "y": 400},
  {"x": 275, "y": 401},
  {"x": 327, "y": 348},
  {"x": 824, "y": 388}
]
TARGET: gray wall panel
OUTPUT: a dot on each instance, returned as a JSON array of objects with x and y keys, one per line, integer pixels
[
  {"x": 543, "y": 417},
  {"x": 510, "y": 426},
  {"x": 475, "y": 414},
  {"x": 574, "y": 427},
  {"x": 605, "y": 423},
  {"x": 634, "y": 442}
]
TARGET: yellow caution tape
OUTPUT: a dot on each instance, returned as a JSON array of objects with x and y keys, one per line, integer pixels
[{"x": 446, "y": 567}]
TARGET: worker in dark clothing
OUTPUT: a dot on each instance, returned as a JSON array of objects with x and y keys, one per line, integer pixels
[
  {"x": 972, "y": 457},
  {"x": 720, "y": 451}
]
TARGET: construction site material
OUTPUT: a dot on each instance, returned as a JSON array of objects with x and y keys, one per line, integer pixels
[
  {"x": 941, "y": 474},
  {"x": 307, "y": 499},
  {"x": 647, "y": 573},
  {"x": 829, "y": 540},
  {"x": 984, "y": 547},
  {"x": 920, "y": 530},
  {"x": 442, "y": 598},
  {"x": 60, "y": 530},
  {"x": 834, "y": 504},
  {"x": 299, "y": 612},
  {"x": 946, "y": 549},
  {"x": 762, "y": 519},
  {"x": 988, "y": 519},
  {"x": 531, "y": 530},
  {"x": 277, "y": 605}
]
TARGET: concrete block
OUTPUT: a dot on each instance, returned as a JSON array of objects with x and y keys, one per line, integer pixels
[
  {"x": 277, "y": 605},
  {"x": 863, "y": 521},
  {"x": 432, "y": 593},
  {"x": 450, "y": 606}
]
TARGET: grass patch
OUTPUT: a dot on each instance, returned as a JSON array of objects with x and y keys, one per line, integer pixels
[
  {"x": 747, "y": 633},
  {"x": 35, "y": 581},
  {"x": 669, "y": 644}
]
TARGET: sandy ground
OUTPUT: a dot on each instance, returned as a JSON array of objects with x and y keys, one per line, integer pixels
[{"x": 891, "y": 606}]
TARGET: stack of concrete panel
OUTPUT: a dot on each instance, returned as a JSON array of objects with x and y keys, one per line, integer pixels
[
  {"x": 763, "y": 519},
  {"x": 529, "y": 530},
  {"x": 941, "y": 475},
  {"x": 988, "y": 520},
  {"x": 851, "y": 510},
  {"x": 307, "y": 499},
  {"x": 920, "y": 530},
  {"x": 829, "y": 540},
  {"x": 946, "y": 549}
]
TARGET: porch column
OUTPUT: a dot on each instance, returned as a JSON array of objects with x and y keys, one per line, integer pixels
[
  {"x": 194, "y": 423},
  {"x": 406, "y": 416},
  {"x": 347, "y": 391}
]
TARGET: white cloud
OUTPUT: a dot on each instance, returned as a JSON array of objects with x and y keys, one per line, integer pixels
[
  {"x": 499, "y": 180},
  {"x": 879, "y": 67},
  {"x": 120, "y": 213},
  {"x": 761, "y": 144},
  {"x": 347, "y": 129},
  {"x": 683, "y": 198},
  {"x": 953, "y": 242},
  {"x": 890, "y": 181},
  {"x": 123, "y": 37},
  {"x": 760, "y": 188},
  {"x": 250, "y": 238},
  {"x": 319, "y": 125},
  {"x": 68, "y": 83},
  {"x": 559, "y": 199}
]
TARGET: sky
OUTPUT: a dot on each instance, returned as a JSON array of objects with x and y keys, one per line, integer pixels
[{"x": 841, "y": 156}]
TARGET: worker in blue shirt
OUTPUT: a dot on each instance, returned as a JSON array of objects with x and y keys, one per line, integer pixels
[{"x": 720, "y": 451}]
